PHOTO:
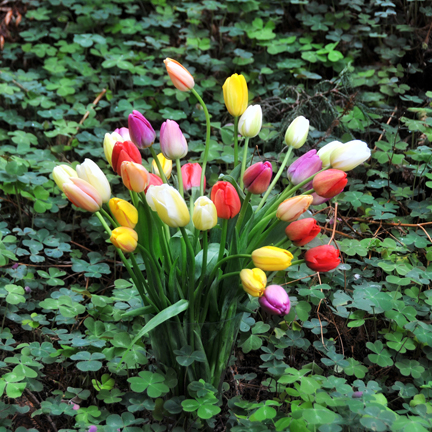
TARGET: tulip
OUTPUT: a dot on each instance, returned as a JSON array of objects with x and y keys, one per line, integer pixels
[
  {"x": 302, "y": 231},
  {"x": 271, "y": 258},
  {"x": 27, "y": 289},
  {"x": 92, "y": 174},
  {"x": 322, "y": 258},
  {"x": 124, "y": 151},
  {"x": 357, "y": 395},
  {"x": 82, "y": 194},
  {"x": 349, "y": 155},
  {"x": 330, "y": 183},
  {"x": 179, "y": 75},
  {"x": 108, "y": 144},
  {"x": 254, "y": 281},
  {"x": 92, "y": 429},
  {"x": 169, "y": 205},
  {"x": 226, "y": 200},
  {"x": 154, "y": 180},
  {"x": 140, "y": 130},
  {"x": 62, "y": 174},
  {"x": 325, "y": 152},
  {"x": 304, "y": 167},
  {"x": 317, "y": 200},
  {"x": 292, "y": 208},
  {"x": 275, "y": 300},
  {"x": 250, "y": 122},
  {"x": 125, "y": 213},
  {"x": 297, "y": 132},
  {"x": 166, "y": 166},
  {"x": 172, "y": 141},
  {"x": 124, "y": 238},
  {"x": 124, "y": 133},
  {"x": 204, "y": 214},
  {"x": 235, "y": 94},
  {"x": 191, "y": 173},
  {"x": 135, "y": 177},
  {"x": 257, "y": 177}
]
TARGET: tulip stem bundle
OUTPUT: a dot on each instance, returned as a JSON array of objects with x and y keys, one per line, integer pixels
[
  {"x": 179, "y": 177},
  {"x": 243, "y": 167},
  {"x": 159, "y": 166}
]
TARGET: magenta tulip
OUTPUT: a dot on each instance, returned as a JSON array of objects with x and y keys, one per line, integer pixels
[
  {"x": 257, "y": 177},
  {"x": 141, "y": 131},
  {"x": 275, "y": 300}
]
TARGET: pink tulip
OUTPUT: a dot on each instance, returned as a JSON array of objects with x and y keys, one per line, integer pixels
[
  {"x": 275, "y": 300},
  {"x": 141, "y": 131},
  {"x": 304, "y": 167},
  {"x": 257, "y": 177},
  {"x": 172, "y": 141},
  {"x": 82, "y": 194}
]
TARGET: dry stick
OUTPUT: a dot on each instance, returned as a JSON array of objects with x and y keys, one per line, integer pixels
[
  {"x": 35, "y": 400},
  {"x": 428, "y": 236},
  {"x": 388, "y": 122},
  {"x": 398, "y": 224},
  {"x": 334, "y": 225},
  {"x": 304, "y": 277},
  {"x": 338, "y": 232},
  {"x": 95, "y": 102}
]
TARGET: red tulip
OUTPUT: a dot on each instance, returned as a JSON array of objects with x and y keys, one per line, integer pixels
[
  {"x": 322, "y": 258},
  {"x": 153, "y": 180},
  {"x": 302, "y": 231},
  {"x": 226, "y": 200},
  {"x": 191, "y": 174},
  {"x": 330, "y": 183},
  {"x": 124, "y": 151},
  {"x": 257, "y": 177}
]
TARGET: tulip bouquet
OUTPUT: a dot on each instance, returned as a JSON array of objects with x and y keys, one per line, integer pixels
[{"x": 195, "y": 264}]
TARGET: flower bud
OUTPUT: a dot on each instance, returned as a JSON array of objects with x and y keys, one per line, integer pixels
[
  {"x": 154, "y": 180},
  {"x": 251, "y": 121},
  {"x": 304, "y": 167},
  {"x": 330, "y": 183},
  {"x": 205, "y": 214},
  {"x": 191, "y": 174},
  {"x": 322, "y": 258},
  {"x": 124, "y": 151},
  {"x": 302, "y": 231},
  {"x": 108, "y": 144},
  {"x": 297, "y": 132},
  {"x": 172, "y": 141},
  {"x": 140, "y": 130},
  {"x": 125, "y": 213},
  {"x": 257, "y": 177},
  {"x": 235, "y": 94},
  {"x": 92, "y": 174},
  {"x": 325, "y": 152},
  {"x": 62, "y": 174},
  {"x": 124, "y": 238},
  {"x": 82, "y": 194},
  {"x": 226, "y": 200},
  {"x": 270, "y": 258},
  {"x": 135, "y": 177},
  {"x": 275, "y": 300},
  {"x": 166, "y": 166},
  {"x": 254, "y": 281},
  {"x": 317, "y": 200},
  {"x": 124, "y": 133},
  {"x": 349, "y": 155},
  {"x": 292, "y": 208},
  {"x": 179, "y": 75}
]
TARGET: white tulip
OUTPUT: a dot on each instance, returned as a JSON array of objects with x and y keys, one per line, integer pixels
[
  {"x": 251, "y": 121},
  {"x": 205, "y": 214},
  {"x": 297, "y": 132},
  {"x": 349, "y": 155},
  {"x": 62, "y": 174},
  {"x": 109, "y": 142},
  {"x": 325, "y": 152},
  {"x": 92, "y": 174}
]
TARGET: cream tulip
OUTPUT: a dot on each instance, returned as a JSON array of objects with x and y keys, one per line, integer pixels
[{"x": 92, "y": 174}]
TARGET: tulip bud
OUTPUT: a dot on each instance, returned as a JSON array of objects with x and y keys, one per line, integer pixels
[
  {"x": 322, "y": 258},
  {"x": 275, "y": 300},
  {"x": 325, "y": 152},
  {"x": 271, "y": 258},
  {"x": 297, "y": 132},
  {"x": 251, "y": 121},
  {"x": 82, "y": 194},
  {"x": 135, "y": 177},
  {"x": 140, "y": 130},
  {"x": 304, "y": 167},
  {"x": 154, "y": 180},
  {"x": 292, "y": 208},
  {"x": 204, "y": 215},
  {"x": 254, "y": 281},
  {"x": 226, "y": 200},
  {"x": 92, "y": 174},
  {"x": 330, "y": 183},
  {"x": 62, "y": 174},
  {"x": 124, "y": 151},
  {"x": 125, "y": 213},
  {"x": 124, "y": 238},
  {"x": 302, "y": 231},
  {"x": 108, "y": 144},
  {"x": 317, "y": 200},
  {"x": 124, "y": 133},
  {"x": 191, "y": 174},
  {"x": 166, "y": 166},
  {"x": 235, "y": 94},
  {"x": 172, "y": 141},
  {"x": 349, "y": 155},
  {"x": 179, "y": 75},
  {"x": 257, "y": 177},
  {"x": 169, "y": 205}
]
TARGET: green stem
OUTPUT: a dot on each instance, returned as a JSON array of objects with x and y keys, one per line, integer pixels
[
  {"x": 227, "y": 275},
  {"x": 262, "y": 224},
  {"x": 180, "y": 178},
  {"x": 273, "y": 183},
  {"x": 236, "y": 119},
  {"x": 223, "y": 238},
  {"x": 106, "y": 214},
  {"x": 158, "y": 164},
  {"x": 133, "y": 198},
  {"x": 205, "y": 249},
  {"x": 207, "y": 143},
  {"x": 243, "y": 210},
  {"x": 243, "y": 168}
]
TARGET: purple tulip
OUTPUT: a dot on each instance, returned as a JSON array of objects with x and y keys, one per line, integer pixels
[
  {"x": 141, "y": 131},
  {"x": 92, "y": 429},
  {"x": 317, "y": 200},
  {"x": 172, "y": 141},
  {"x": 15, "y": 266},
  {"x": 27, "y": 289},
  {"x": 124, "y": 133},
  {"x": 304, "y": 167},
  {"x": 357, "y": 394},
  {"x": 275, "y": 300}
]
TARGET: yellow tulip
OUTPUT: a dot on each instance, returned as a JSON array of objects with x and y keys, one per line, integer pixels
[
  {"x": 235, "y": 94},
  {"x": 124, "y": 238},
  {"x": 254, "y": 281},
  {"x": 205, "y": 214},
  {"x": 166, "y": 166},
  {"x": 125, "y": 213},
  {"x": 271, "y": 258}
]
